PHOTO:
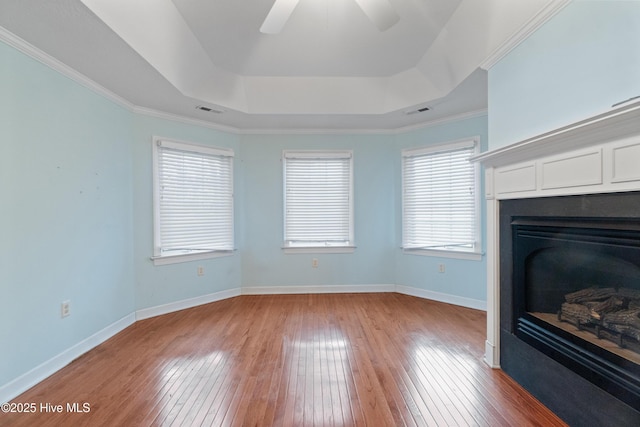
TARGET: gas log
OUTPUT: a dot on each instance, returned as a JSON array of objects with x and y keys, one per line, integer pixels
[
  {"x": 592, "y": 294},
  {"x": 608, "y": 313},
  {"x": 610, "y": 305}
]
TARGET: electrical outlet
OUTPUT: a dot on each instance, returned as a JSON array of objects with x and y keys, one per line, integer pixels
[
  {"x": 200, "y": 271},
  {"x": 65, "y": 308},
  {"x": 441, "y": 268},
  {"x": 314, "y": 263}
]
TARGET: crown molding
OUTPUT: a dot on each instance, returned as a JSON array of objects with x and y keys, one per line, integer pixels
[
  {"x": 315, "y": 131},
  {"x": 33, "y": 52},
  {"x": 545, "y": 14},
  {"x": 150, "y": 112},
  {"x": 442, "y": 121},
  {"x": 44, "y": 58},
  {"x": 346, "y": 131}
]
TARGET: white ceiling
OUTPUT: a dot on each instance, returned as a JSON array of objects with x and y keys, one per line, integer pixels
[
  {"x": 330, "y": 68},
  {"x": 322, "y": 37}
]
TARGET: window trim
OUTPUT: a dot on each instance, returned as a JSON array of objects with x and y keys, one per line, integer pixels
[
  {"x": 319, "y": 154},
  {"x": 163, "y": 259},
  {"x": 476, "y": 253}
]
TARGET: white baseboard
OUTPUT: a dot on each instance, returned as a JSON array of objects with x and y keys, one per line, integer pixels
[
  {"x": 320, "y": 289},
  {"x": 491, "y": 357},
  {"x": 146, "y": 313},
  {"x": 26, "y": 381},
  {"x": 441, "y": 297}
]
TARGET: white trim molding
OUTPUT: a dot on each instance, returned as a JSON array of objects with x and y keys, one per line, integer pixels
[
  {"x": 380, "y": 288},
  {"x": 318, "y": 289},
  {"x": 550, "y": 10},
  {"x": 149, "y": 112},
  {"x": 612, "y": 125},
  {"x": 19, "y": 385},
  {"x": 39, "y": 373},
  {"x": 33, "y": 52},
  {"x": 597, "y": 155},
  {"x": 442, "y": 297},
  {"x": 159, "y": 310}
]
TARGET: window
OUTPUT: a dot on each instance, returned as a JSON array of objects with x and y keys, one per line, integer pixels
[
  {"x": 318, "y": 202},
  {"x": 193, "y": 201},
  {"x": 440, "y": 200}
]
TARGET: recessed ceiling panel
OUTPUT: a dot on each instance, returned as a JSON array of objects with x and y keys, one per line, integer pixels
[
  {"x": 320, "y": 38},
  {"x": 329, "y": 68}
]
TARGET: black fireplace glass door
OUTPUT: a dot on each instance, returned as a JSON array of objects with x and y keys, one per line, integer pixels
[{"x": 577, "y": 291}]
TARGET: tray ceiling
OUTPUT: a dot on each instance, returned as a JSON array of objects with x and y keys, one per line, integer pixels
[{"x": 329, "y": 68}]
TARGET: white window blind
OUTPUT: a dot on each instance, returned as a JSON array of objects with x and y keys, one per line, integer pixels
[
  {"x": 439, "y": 198},
  {"x": 318, "y": 199},
  {"x": 194, "y": 199}
]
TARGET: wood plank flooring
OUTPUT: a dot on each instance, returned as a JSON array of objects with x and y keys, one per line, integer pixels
[{"x": 291, "y": 360}]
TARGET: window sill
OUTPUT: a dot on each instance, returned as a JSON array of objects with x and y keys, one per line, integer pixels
[
  {"x": 319, "y": 250},
  {"x": 178, "y": 258},
  {"x": 472, "y": 256}
]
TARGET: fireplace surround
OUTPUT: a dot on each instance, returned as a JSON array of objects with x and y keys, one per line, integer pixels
[
  {"x": 558, "y": 246},
  {"x": 559, "y": 196}
]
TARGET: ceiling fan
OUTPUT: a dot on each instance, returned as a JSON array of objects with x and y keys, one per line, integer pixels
[{"x": 380, "y": 12}]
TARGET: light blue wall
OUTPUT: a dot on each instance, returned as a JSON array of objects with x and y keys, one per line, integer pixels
[
  {"x": 263, "y": 260},
  {"x": 76, "y": 217},
  {"x": 65, "y": 213},
  {"x": 577, "y": 65},
  {"x": 158, "y": 285},
  {"x": 462, "y": 278},
  {"x": 76, "y": 187}
]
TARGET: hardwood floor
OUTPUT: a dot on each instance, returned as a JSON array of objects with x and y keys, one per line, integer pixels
[{"x": 291, "y": 360}]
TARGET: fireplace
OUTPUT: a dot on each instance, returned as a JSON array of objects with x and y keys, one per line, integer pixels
[
  {"x": 570, "y": 289},
  {"x": 562, "y": 220},
  {"x": 577, "y": 296}
]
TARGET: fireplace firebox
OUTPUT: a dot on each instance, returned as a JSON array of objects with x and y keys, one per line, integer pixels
[
  {"x": 577, "y": 296},
  {"x": 570, "y": 290}
]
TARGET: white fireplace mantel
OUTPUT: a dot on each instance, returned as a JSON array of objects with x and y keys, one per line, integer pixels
[{"x": 600, "y": 154}]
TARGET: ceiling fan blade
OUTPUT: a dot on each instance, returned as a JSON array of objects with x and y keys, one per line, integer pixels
[
  {"x": 380, "y": 12},
  {"x": 278, "y": 16}
]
